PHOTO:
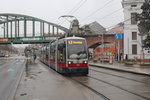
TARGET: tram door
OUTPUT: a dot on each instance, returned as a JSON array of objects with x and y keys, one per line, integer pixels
[
  {"x": 61, "y": 55},
  {"x": 52, "y": 55},
  {"x": 48, "y": 54}
]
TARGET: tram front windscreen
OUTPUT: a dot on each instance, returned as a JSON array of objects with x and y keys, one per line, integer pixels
[{"x": 77, "y": 49}]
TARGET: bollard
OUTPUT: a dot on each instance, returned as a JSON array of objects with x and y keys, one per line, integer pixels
[
  {"x": 27, "y": 67},
  {"x": 110, "y": 60}
]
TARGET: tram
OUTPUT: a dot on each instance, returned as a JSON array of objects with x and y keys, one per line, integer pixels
[{"x": 66, "y": 55}]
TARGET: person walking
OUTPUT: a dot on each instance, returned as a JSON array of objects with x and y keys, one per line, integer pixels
[{"x": 34, "y": 57}]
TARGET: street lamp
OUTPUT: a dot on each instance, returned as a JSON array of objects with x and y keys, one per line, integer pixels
[
  {"x": 102, "y": 43},
  {"x": 103, "y": 46}
]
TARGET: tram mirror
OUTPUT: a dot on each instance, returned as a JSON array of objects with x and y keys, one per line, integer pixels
[{"x": 61, "y": 46}]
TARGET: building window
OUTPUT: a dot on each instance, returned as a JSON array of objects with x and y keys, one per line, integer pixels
[
  {"x": 133, "y": 18},
  {"x": 133, "y": 5},
  {"x": 134, "y": 49},
  {"x": 134, "y": 35}
]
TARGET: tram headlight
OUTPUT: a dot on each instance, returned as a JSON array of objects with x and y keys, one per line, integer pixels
[
  {"x": 85, "y": 62},
  {"x": 70, "y": 62}
]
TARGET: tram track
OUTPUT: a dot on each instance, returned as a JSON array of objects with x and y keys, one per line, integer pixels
[
  {"x": 146, "y": 98},
  {"x": 119, "y": 76},
  {"x": 109, "y": 83},
  {"x": 92, "y": 89},
  {"x": 2, "y": 62}
]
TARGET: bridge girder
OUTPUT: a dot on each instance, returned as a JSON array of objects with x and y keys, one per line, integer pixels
[{"x": 6, "y": 20}]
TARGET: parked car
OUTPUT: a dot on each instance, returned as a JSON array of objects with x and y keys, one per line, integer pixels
[
  {"x": 6, "y": 55},
  {"x": 2, "y": 55}
]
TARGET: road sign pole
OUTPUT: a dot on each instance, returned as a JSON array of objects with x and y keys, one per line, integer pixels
[{"x": 118, "y": 49}]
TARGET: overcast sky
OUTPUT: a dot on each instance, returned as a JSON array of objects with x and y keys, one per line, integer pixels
[{"x": 86, "y": 11}]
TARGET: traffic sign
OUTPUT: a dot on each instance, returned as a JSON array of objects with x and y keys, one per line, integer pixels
[{"x": 118, "y": 36}]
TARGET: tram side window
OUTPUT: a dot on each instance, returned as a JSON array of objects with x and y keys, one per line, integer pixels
[
  {"x": 46, "y": 56},
  {"x": 52, "y": 52},
  {"x": 47, "y": 53},
  {"x": 61, "y": 56}
]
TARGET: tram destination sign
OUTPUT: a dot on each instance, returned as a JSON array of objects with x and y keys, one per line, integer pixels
[{"x": 74, "y": 42}]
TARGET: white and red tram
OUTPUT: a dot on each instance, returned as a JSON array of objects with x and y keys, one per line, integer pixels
[{"x": 66, "y": 55}]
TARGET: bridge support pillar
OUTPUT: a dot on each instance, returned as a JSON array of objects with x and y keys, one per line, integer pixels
[
  {"x": 7, "y": 27},
  {"x": 18, "y": 27},
  {"x": 11, "y": 29},
  {"x": 43, "y": 29},
  {"x": 15, "y": 27},
  {"x": 49, "y": 29},
  {"x": 33, "y": 30},
  {"x": 25, "y": 28},
  {"x": 4, "y": 30}
]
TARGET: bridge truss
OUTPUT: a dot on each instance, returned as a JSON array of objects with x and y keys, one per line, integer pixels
[{"x": 17, "y": 28}]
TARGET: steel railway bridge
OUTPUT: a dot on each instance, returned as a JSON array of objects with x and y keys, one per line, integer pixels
[{"x": 17, "y": 29}]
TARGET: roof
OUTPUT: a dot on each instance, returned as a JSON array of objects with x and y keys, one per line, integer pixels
[
  {"x": 96, "y": 28},
  {"x": 73, "y": 37},
  {"x": 116, "y": 30}
]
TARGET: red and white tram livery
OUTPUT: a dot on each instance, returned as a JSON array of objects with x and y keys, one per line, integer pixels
[{"x": 67, "y": 55}]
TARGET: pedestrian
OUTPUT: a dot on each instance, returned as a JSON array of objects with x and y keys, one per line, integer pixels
[
  {"x": 90, "y": 55},
  {"x": 34, "y": 57},
  {"x": 126, "y": 57}
]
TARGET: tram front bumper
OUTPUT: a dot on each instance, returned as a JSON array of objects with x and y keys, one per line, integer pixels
[{"x": 77, "y": 70}]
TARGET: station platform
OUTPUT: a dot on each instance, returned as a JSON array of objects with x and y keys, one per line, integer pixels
[
  {"x": 137, "y": 69},
  {"x": 40, "y": 82}
]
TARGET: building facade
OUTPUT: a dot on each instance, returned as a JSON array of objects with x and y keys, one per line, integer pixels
[{"x": 132, "y": 37}]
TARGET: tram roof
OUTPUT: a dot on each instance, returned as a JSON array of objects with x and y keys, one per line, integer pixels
[{"x": 73, "y": 38}]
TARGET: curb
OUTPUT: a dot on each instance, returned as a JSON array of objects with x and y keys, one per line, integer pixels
[
  {"x": 94, "y": 65},
  {"x": 12, "y": 95}
]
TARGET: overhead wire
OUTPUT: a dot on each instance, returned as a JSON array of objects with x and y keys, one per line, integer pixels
[
  {"x": 114, "y": 13},
  {"x": 79, "y": 6},
  {"x": 110, "y": 13},
  {"x": 121, "y": 22},
  {"x": 97, "y": 10},
  {"x": 71, "y": 11},
  {"x": 75, "y": 8}
]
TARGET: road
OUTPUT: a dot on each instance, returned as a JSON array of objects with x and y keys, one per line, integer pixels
[
  {"x": 44, "y": 83},
  {"x": 11, "y": 69},
  {"x": 115, "y": 85}
]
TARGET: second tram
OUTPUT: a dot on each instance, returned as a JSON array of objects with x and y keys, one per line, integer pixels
[{"x": 66, "y": 55}]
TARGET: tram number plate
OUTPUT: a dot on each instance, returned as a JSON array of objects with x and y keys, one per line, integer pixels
[{"x": 78, "y": 64}]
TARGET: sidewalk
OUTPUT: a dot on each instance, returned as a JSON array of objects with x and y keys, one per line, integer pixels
[
  {"x": 42, "y": 83},
  {"x": 143, "y": 70}
]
